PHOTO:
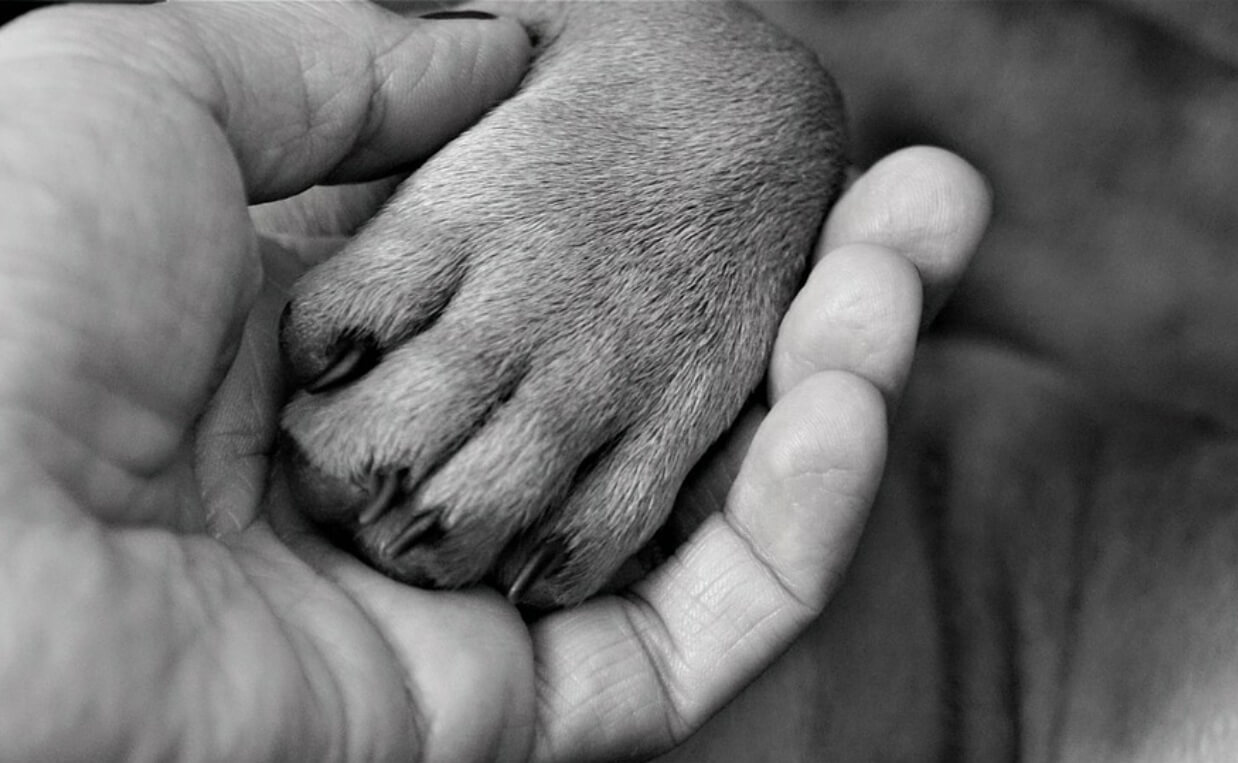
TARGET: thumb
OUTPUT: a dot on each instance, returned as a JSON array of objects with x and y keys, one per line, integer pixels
[{"x": 304, "y": 92}]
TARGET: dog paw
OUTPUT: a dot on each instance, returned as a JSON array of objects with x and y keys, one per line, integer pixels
[{"x": 507, "y": 374}]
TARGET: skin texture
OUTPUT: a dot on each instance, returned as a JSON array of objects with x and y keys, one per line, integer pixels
[
  {"x": 141, "y": 390},
  {"x": 569, "y": 302}
]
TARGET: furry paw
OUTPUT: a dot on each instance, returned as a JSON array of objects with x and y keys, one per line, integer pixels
[{"x": 508, "y": 373}]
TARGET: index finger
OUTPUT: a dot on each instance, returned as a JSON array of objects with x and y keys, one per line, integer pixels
[{"x": 304, "y": 92}]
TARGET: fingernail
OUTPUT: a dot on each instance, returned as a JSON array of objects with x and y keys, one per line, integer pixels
[{"x": 482, "y": 15}]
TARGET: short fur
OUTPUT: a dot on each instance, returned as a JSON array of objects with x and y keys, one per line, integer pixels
[{"x": 573, "y": 299}]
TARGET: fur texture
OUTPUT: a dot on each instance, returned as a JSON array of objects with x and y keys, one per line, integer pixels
[{"x": 569, "y": 302}]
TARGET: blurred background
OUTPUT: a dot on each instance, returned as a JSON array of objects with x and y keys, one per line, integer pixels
[{"x": 1109, "y": 131}]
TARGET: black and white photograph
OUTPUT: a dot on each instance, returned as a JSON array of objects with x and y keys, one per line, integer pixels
[{"x": 695, "y": 381}]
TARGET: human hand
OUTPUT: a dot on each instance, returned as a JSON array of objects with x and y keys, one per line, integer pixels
[
  {"x": 240, "y": 649},
  {"x": 133, "y": 141}
]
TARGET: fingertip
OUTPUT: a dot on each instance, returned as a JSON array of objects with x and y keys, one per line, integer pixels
[
  {"x": 831, "y": 420},
  {"x": 810, "y": 478},
  {"x": 924, "y": 202},
  {"x": 859, "y": 312}
]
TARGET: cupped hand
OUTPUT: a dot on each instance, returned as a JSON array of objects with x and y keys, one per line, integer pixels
[
  {"x": 132, "y": 142},
  {"x": 141, "y": 389}
]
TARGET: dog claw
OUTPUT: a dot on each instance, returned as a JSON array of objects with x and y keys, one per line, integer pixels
[
  {"x": 418, "y": 529},
  {"x": 536, "y": 567},
  {"x": 383, "y": 489},
  {"x": 349, "y": 362}
]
